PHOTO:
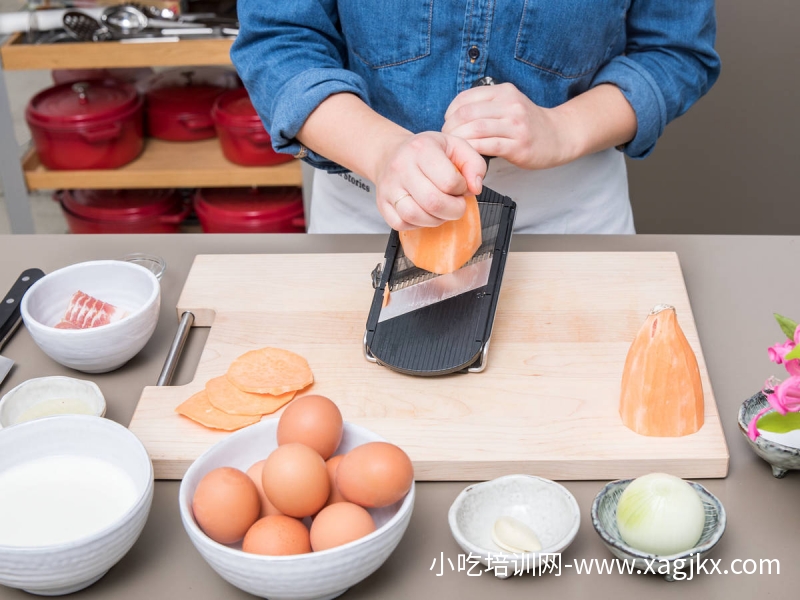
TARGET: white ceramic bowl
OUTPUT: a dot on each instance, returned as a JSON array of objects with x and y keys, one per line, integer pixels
[
  {"x": 672, "y": 567},
  {"x": 316, "y": 575},
  {"x": 47, "y": 392},
  {"x": 70, "y": 566},
  {"x": 546, "y": 507},
  {"x": 99, "y": 349}
]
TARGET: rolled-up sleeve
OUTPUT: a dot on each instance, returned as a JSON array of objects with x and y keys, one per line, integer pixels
[
  {"x": 668, "y": 64},
  {"x": 291, "y": 57}
]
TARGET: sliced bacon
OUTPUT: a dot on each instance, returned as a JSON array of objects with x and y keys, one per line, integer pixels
[{"x": 85, "y": 311}]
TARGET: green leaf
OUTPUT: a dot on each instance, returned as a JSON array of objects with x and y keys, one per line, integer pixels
[
  {"x": 793, "y": 354},
  {"x": 787, "y": 325}
]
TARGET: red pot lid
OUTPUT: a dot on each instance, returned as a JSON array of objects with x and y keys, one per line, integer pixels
[
  {"x": 86, "y": 101},
  {"x": 274, "y": 203},
  {"x": 188, "y": 99},
  {"x": 122, "y": 205},
  {"x": 235, "y": 109}
]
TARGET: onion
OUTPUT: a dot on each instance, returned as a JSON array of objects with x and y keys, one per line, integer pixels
[{"x": 660, "y": 514}]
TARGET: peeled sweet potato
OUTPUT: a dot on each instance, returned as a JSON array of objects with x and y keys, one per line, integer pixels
[
  {"x": 662, "y": 395},
  {"x": 445, "y": 248}
]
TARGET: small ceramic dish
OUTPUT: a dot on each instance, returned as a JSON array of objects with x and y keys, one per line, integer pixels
[
  {"x": 48, "y": 396},
  {"x": 604, "y": 519},
  {"x": 782, "y": 458},
  {"x": 546, "y": 507}
]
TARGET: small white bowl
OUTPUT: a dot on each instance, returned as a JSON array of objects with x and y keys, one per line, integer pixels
[
  {"x": 62, "y": 568},
  {"x": 312, "y": 576},
  {"x": 604, "y": 520},
  {"x": 46, "y": 392},
  {"x": 548, "y": 508},
  {"x": 126, "y": 285}
]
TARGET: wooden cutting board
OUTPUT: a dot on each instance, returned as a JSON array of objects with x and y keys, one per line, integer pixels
[{"x": 547, "y": 404}]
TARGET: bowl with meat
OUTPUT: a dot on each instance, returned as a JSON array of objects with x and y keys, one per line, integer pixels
[{"x": 93, "y": 316}]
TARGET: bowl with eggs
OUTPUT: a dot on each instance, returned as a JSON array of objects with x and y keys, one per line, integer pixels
[
  {"x": 659, "y": 524},
  {"x": 93, "y": 316},
  {"x": 299, "y": 507},
  {"x": 77, "y": 490}
]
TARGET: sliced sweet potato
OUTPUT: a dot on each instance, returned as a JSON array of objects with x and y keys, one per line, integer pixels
[
  {"x": 199, "y": 409},
  {"x": 445, "y": 248},
  {"x": 226, "y": 397},
  {"x": 270, "y": 371}
]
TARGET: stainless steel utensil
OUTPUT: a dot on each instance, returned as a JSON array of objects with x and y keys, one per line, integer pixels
[
  {"x": 10, "y": 317},
  {"x": 84, "y": 28},
  {"x": 128, "y": 19}
]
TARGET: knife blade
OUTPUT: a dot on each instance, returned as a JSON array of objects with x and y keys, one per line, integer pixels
[{"x": 10, "y": 317}]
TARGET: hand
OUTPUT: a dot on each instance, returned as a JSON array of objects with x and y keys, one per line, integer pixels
[
  {"x": 499, "y": 120},
  {"x": 422, "y": 179}
]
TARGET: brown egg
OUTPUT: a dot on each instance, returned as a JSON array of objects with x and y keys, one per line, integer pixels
[
  {"x": 375, "y": 474},
  {"x": 277, "y": 535},
  {"x": 226, "y": 504},
  {"x": 254, "y": 473},
  {"x": 339, "y": 524},
  {"x": 295, "y": 480},
  {"x": 314, "y": 421},
  {"x": 332, "y": 463}
]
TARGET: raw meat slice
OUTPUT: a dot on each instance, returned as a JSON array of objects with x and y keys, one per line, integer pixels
[{"x": 85, "y": 311}]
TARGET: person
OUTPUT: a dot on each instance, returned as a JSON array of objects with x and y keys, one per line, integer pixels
[{"x": 380, "y": 97}]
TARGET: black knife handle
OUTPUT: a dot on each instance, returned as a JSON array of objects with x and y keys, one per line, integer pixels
[{"x": 9, "y": 308}]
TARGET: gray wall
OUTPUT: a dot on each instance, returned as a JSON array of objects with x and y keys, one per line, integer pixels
[{"x": 732, "y": 163}]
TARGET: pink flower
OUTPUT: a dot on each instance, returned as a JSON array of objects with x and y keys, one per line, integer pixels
[
  {"x": 783, "y": 397},
  {"x": 786, "y": 395},
  {"x": 778, "y": 351}
]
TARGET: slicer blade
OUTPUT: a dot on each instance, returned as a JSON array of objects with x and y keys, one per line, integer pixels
[{"x": 436, "y": 289}]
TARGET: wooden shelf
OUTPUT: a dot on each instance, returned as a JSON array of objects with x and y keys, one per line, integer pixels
[
  {"x": 165, "y": 165},
  {"x": 17, "y": 55}
]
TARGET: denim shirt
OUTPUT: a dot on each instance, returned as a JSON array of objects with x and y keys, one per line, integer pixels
[{"x": 408, "y": 59}]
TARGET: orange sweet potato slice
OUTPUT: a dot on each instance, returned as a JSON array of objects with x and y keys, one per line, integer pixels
[
  {"x": 270, "y": 371},
  {"x": 445, "y": 248},
  {"x": 226, "y": 397},
  {"x": 199, "y": 409}
]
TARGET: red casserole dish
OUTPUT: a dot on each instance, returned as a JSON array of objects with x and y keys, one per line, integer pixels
[
  {"x": 241, "y": 133},
  {"x": 179, "y": 102},
  {"x": 250, "y": 210},
  {"x": 88, "y": 125},
  {"x": 123, "y": 211}
]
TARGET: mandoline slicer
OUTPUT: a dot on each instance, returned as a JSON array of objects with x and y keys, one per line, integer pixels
[{"x": 440, "y": 324}]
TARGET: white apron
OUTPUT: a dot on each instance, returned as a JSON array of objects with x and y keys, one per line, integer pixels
[{"x": 589, "y": 195}]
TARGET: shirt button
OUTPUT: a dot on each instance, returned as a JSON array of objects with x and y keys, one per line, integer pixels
[{"x": 473, "y": 53}]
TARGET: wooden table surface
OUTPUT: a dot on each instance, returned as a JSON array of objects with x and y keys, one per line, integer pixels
[{"x": 734, "y": 284}]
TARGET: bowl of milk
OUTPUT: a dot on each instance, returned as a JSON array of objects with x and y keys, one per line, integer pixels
[{"x": 75, "y": 493}]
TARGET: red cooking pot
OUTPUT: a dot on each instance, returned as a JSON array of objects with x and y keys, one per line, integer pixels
[
  {"x": 86, "y": 125},
  {"x": 250, "y": 210},
  {"x": 123, "y": 211},
  {"x": 241, "y": 133},
  {"x": 179, "y": 103}
]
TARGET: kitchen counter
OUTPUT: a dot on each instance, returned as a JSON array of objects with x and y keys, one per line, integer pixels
[{"x": 735, "y": 284}]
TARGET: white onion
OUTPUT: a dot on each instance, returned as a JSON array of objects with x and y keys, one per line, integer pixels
[{"x": 660, "y": 514}]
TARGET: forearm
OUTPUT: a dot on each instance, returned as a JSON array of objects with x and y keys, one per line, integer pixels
[
  {"x": 598, "y": 119},
  {"x": 345, "y": 130}
]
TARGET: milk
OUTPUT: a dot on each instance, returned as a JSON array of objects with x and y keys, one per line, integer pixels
[{"x": 59, "y": 499}]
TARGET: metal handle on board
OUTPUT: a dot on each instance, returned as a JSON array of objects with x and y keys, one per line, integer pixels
[{"x": 176, "y": 349}]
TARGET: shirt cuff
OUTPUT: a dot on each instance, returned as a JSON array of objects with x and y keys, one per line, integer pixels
[
  {"x": 644, "y": 95},
  {"x": 297, "y": 100}
]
